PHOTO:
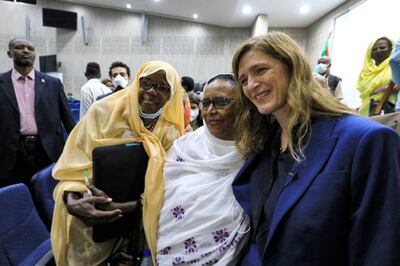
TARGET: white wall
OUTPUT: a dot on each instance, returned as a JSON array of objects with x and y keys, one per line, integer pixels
[
  {"x": 354, "y": 31},
  {"x": 319, "y": 31},
  {"x": 197, "y": 50}
]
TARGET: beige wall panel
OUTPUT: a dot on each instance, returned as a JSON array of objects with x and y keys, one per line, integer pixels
[{"x": 194, "y": 49}]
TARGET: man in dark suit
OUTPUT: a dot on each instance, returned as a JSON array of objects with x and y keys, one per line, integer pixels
[{"x": 33, "y": 110}]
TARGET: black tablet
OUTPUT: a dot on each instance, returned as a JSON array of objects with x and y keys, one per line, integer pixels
[{"x": 119, "y": 170}]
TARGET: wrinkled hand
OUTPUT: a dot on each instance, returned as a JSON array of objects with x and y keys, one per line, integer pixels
[
  {"x": 83, "y": 207},
  {"x": 125, "y": 207}
]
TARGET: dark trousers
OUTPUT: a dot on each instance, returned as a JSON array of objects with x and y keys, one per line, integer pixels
[{"x": 31, "y": 157}]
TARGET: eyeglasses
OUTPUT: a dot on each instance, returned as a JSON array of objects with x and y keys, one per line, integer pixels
[
  {"x": 147, "y": 85},
  {"x": 217, "y": 102}
]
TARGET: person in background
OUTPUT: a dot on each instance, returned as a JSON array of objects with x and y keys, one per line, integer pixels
[
  {"x": 333, "y": 83},
  {"x": 375, "y": 77},
  {"x": 198, "y": 87},
  {"x": 92, "y": 89},
  {"x": 108, "y": 83},
  {"x": 120, "y": 75},
  {"x": 395, "y": 67},
  {"x": 33, "y": 112},
  {"x": 187, "y": 86},
  {"x": 149, "y": 111},
  {"x": 320, "y": 184},
  {"x": 187, "y": 83},
  {"x": 196, "y": 119},
  {"x": 200, "y": 221}
]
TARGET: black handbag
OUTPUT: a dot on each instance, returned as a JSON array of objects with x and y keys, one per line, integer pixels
[{"x": 119, "y": 170}]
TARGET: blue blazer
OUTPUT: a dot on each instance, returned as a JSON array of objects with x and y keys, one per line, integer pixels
[
  {"x": 340, "y": 206},
  {"x": 51, "y": 114}
]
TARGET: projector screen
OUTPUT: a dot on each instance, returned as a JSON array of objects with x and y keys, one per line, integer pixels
[{"x": 353, "y": 31}]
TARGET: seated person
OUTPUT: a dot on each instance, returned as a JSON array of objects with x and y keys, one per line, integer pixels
[
  {"x": 200, "y": 221},
  {"x": 149, "y": 111}
]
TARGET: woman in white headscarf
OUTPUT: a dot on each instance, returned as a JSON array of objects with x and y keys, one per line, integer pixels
[{"x": 200, "y": 221}]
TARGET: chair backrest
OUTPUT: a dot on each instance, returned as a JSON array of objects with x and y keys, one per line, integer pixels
[
  {"x": 74, "y": 105},
  {"x": 22, "y": 233},
  {"x": 391, "y": 120},
  {"x": 43, "y": 185},
  {"x": 75, "y": 114}
]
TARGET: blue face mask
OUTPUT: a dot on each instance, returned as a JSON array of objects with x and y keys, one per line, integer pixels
[
  {"x": 194, "y": 113},
  {"x": 149, "y": 116}
]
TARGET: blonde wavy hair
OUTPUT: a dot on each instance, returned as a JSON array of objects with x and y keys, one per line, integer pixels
[{"x": 306, "y": 98}]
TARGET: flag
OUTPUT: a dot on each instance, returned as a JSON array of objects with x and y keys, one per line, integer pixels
[{"x": 325, "y": 49}]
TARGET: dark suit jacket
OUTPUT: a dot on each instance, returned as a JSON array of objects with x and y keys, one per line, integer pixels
[
  {"x": 340, "y": 206},
  {"x": 51, "y": 112}
]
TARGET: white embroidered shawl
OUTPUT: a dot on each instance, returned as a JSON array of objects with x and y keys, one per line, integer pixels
[{"x": 200, "y": 222}]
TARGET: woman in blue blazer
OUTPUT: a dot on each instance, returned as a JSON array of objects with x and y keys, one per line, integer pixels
[{"x": 321, "y": 185}]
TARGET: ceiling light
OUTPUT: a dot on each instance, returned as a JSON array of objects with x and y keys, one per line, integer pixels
[
  {"x": 195, "y": 16},
  {"x": 156, "y": 0},
  {"x": 246, "y": 10},
  {"x": 304, "y": 9},
  {"x": 128, "y": 5}
]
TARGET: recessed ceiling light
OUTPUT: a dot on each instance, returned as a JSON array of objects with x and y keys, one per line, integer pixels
[
  {"x": 156, "y": 0},
  {"x": 195, "y": 16},
  {"x": 304, "y": 9},
  {"x": 246, "y": 10},
  {"x": 128, "y": 5}
]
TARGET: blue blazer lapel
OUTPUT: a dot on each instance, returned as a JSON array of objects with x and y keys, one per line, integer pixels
[
  {"x": 260, "y": 187},
  {"x": 317, "y": 152},
  {"x": 241, "y": 185},
  {"x": 8, "y": 87}
]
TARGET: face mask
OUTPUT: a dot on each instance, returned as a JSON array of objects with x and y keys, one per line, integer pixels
[
  {"x": 119, "y": 81},
  {"x": 149, "y": 116},
  {"x": 380, "y": 56},
  {"x": 194, "y": 113},
  {"x": 321, "y": 68}
]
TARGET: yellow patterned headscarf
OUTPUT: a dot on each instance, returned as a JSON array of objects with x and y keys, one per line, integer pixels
[
  {"x": 372, "y": 77},
  {"x": 115, "y": 120}
]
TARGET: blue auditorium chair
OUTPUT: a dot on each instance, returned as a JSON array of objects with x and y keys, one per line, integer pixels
[
  {"x": 75, "y": 114},
  {"x": 24, "y": 239},
  {"x": 74, "y": 104},
  {"x": 43, "y": 185}
]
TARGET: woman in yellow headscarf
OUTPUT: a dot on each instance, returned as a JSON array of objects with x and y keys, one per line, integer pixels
[
  {"x": 375, "y": 75},
  {"x": 149, "y": 111}
]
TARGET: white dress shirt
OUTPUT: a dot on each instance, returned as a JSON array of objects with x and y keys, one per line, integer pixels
[{"x": 92, "y": 89}]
